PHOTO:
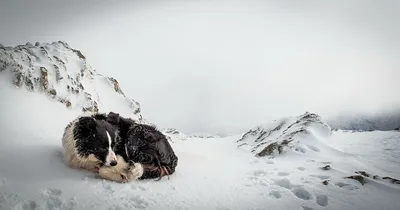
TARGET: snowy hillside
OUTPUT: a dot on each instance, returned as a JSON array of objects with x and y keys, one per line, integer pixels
[
  {"x": 64, "y": 75},
  {"x": 212, "y": 173},
  {"x": 301, "y": 134}
]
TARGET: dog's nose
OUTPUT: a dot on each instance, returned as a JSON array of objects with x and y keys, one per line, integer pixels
[{"x": 113, "y": 163}]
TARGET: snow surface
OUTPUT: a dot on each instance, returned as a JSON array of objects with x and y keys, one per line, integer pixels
[{"x": 212, "y": 173}]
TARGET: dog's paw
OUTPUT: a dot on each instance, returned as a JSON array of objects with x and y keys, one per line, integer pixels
[{"x": 136, "y": 171}]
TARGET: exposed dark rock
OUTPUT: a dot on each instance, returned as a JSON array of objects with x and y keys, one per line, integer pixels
[
  {"x": 3, "y": 64},
  {"x": 116, "y": 85},
  {"x": 59, "y": 59},
  {"x": 91, "y": 105},
  {"x": 18, "y": 79},
  {"x": 58, "y": 73},
  {"x": 79, "y": 54},
  {"x": 392, "y": 180},
  {"x": 171, "y": 131},
  {"x": 44, "y": 78},
  {"x": 52, "y": 93},
  {"x": 325, "y": 182},
  {"x": 271, "y": 148},
  {"x": 135, "y": 106},
  {"x": 68, "y": 104},
  {"x": 326, "y": 168},
  {"x": 358, "y": 178},
  {"x": 268, "y": 150},
  {"x": 43, "y": 50},
  {"x": 363, "y": 173},
  {"x": 29, "y": 83}
]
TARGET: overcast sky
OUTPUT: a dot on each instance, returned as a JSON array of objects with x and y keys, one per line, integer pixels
[{"x": 225, "y": 66}]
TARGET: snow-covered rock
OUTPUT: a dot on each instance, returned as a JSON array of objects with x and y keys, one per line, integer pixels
[
  {"x": 173, "y": 134},
  {"x": 297, "y": 134},
  {"x": 64, "y": 74}
]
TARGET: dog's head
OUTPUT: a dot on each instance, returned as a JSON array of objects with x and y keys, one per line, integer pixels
[
  {"x": 122, "y": 172},
  {"x": 97, "y": 137}
]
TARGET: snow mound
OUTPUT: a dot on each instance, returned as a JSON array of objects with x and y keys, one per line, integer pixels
[
  {"x": 64, "y": 75},
  {"x": 174, "y": 134},
  {"x": 300, "y": 134}
]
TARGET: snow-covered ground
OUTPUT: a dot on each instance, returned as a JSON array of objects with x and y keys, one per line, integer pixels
[{"x": 213, "y": 173}]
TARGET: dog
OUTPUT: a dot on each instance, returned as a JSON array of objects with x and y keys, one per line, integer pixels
[
  {"x": 141, "y": 147},
  {"x": 122, "y": 172},
  {"x": 88, "y": 143}
]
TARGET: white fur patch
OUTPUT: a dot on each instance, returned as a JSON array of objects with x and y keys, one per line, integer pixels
[
  {"x": 111, "y": 154},
  {"x": 121, "y": 172},
  {"x": 137, "y": 171}
]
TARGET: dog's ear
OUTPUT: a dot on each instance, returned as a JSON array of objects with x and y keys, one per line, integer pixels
[
  {"x": 89, "y": 123},
  {"x": 113, "y": 118}
]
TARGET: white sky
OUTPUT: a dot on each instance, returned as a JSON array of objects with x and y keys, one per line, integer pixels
[{"x": 225, "y": 66}]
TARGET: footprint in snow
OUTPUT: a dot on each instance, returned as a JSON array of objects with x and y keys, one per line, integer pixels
[
  {"x": 283, "y": 174},
  {"x": 138, "y": 187},
  {"x": 307, "y": 208},
  {"x": 107, "y": 186},
  {"x": 301, "y": 168},
  {"x": 321, "y": 176},
  {"x": 55, "y": 200},
  {"x": 135, "y": 201},
  {"x": 322, "y": 200},
  {"x": 302, "y": 193},
  {"x": 346, "y": 186},
  {"x": 260, "y": 173},
  {"x": 270, "y": 162},
  {"x": 275, "y": 194},
  {"x": 285, "y": 183}
]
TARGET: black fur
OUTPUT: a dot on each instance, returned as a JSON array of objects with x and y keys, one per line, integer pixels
[
  {"x": 144, "y": 144},
  {"x": 91, "y": 137}
]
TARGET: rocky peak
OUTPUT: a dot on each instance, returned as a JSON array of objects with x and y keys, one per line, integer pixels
[
  {"x": 64, "y": 74},
  {"x": 282, "y": 135}
]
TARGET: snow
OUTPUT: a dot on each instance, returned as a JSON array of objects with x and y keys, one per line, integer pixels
[
  {"x": 212, "y": 173},
  {"x": 79, "y": 83}
]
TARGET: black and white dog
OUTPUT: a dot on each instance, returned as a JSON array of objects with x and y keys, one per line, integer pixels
[
  {"x": 142, "y": 151},
  {"x": 88, "y": 143}
]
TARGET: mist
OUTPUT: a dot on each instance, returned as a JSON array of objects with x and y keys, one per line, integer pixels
[{"x": 225, "y": 66}]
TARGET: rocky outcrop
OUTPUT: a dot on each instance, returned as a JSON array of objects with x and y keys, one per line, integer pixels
[
  {"x": 64, "y": 74},
  {"x": 297, "y": 134}
]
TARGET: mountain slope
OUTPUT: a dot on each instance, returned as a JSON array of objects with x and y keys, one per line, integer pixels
[
  {"x": 300, "y": 134},
  {"x": 64, "y": 75}
]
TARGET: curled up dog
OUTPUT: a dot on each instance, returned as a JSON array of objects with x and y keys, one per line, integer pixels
[{"x": 142, "y": 151}]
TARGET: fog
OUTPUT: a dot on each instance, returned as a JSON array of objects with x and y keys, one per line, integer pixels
[{"x": 225, "y": 66}]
